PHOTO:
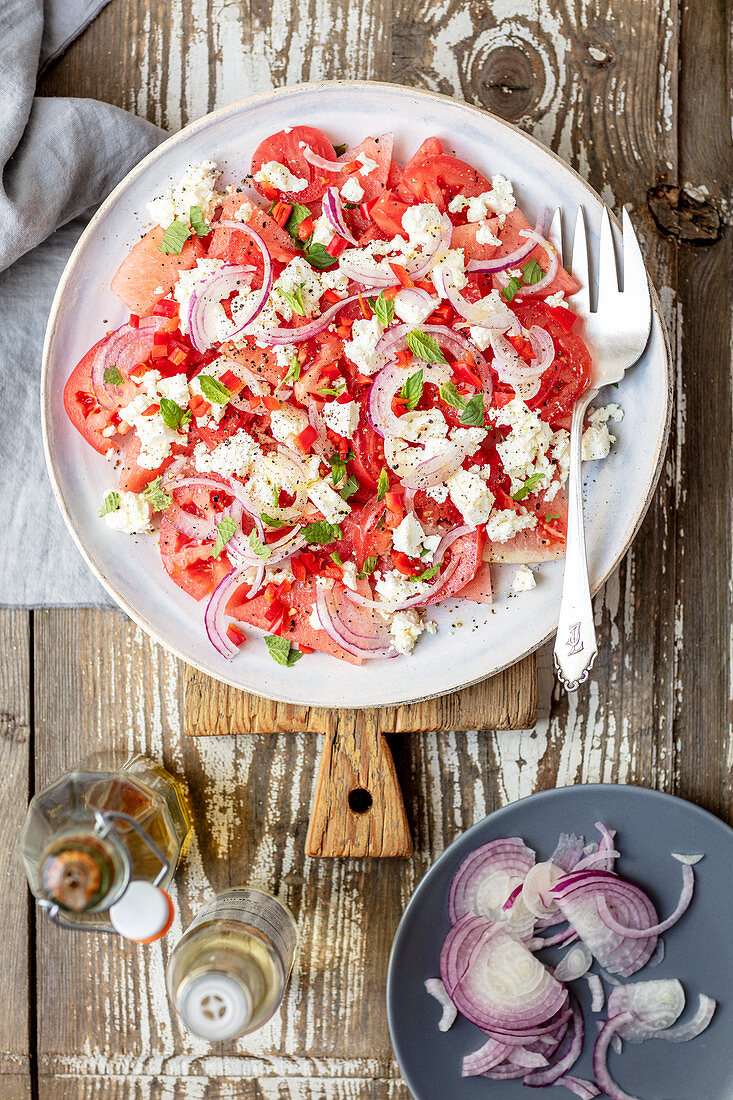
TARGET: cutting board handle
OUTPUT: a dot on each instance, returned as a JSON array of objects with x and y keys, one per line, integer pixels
[{"x": 358, "y": 808}]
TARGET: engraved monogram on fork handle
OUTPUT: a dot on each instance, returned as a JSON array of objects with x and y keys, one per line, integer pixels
[{"x": 575, "y": 647}]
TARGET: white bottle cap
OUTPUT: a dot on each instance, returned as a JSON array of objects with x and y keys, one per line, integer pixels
[
  {"x": 144, "y": 913},
  {"x": 215, "y": 1005}
]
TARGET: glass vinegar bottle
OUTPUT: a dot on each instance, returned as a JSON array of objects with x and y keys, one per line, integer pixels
[
  {"x": 114, "y": 820},
  {"x": 228, "y": 973}
]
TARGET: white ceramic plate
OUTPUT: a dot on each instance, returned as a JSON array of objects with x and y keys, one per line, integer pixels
[{"x": 618, "y": 491}]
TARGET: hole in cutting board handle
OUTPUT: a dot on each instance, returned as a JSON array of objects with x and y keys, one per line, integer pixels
[{"x": 360, "y": 800}]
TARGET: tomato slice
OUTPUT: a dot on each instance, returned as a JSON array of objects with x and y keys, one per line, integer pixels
[
  {"x": 239, "y": 248},
  {"x": 369, "y": 460},
  {"x": 82, "y": 407},
  {"x": 284, "y": 148},
  {"x": 438, "y": 179},
  {"x": 379, "y": 150},
  {"x": 133, "y": 477},
  {"x": 569, "y": 375},
  {"x": 190, "y": 565}
]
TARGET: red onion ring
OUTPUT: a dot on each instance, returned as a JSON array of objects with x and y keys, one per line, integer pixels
[
  {"x": 544, "y": 283},
  {"x": 333, "y": 212},
  {"x": 501, "y": 263},
  {"x": 215, "y": 615},
  {"x": 282, "y": 335},
  {"x": 387, "y": 383},
  {"x": 320, "y": 162},
  {"x": 123, "y": 349},
  {"x": 688, "y": 886},
  {"x": 417, "y": 267},
  {"x": 358, "y": 643},
  {"x": 322, "y": 446},
  {"x": 389, "y": 608}
]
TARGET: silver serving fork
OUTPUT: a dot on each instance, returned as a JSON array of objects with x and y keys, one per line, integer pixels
[{"x": 617, "y": 331}]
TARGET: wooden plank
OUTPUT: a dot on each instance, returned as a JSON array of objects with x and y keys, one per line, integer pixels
[
  {"x": 15, "y": 943},
  {"x": 506, "y": 701},
  {"x": 207, "y": 1088}
]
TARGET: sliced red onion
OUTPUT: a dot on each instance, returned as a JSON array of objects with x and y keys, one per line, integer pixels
[
  {"x": 334, "y": 214},
  {"x": 282, "y": 335},
  {"x": 640, "y": 933},
  {"x": 491, "y": 1054},
  {"x": 388, "y": 608},
  {"x": 435, "y": 470},
  {"x": 232, "y": 488},
  {"x": 419, "y": 266},
  {"x": 600, "y": 1057},
  {"x": 575, "y": 963},
  {"x": 215, "y": 619},
  {"x": 654, "y": 1006},
  {"x": 586, "y": 1090},
  {"x": 565, "y": 1055},
  {"x": 487, "y": 876},
  {"x": 449, "y": 539},
  {"x": 542, "y": 346},
  {"x": 320, "y": 162},
  {"x": 691, "y": 860},
  {"x": 387, "y": 384},
  {"x": 537, "y": 886},
  {"x": 523, "y": 377},
  {"x": 198, "y": 528},
  {"x": 248, "y": 376},
  {"x": 597, "y": 992},
  {"x": 436, "y": 989},
  {"x": 501, "y": 263},
  {"x": 208, "y": 294},
  {"x": 528, "y": 1059},
  {"x": 365, "y": 642},
  {"x": 415, "y": 296},
  {"x": 123, "y": 350},
  {"x": 601, "y": 858},
  {"x": 544, "y": 283},
  {"x": 682, "y": 1033},
  {"x": 323, "y": 445},
  {"x": 568, "y": 850},
  {"x": 362, "y": 272}
]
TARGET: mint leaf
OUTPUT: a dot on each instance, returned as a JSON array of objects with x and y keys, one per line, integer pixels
[
  {"x": 509, "y": 291},
  {"x": 297, "y": 215},
  {"x": 113, "y": 377},
  {"x": 382, "y": 485},
  {"x": 174, "y": 238},
  {"x": 336, "y": 558},
  {"x": 424, "y": 347},
  {"x": 426, "y": 576},
  {"x": 351, "y": 487},
  {"x": 293, "y": 370},
  {"x": 369, "y": 566},
  {"x": 281, "y": 650},
  {"x": 528, "y": 486},
  {"x": 259, "y": 548},
  {"x": 317, "y": 256},
  {"x": 273, "y": 522},
  {"x": 473, "y": 413},
  {"x": 111, "y": 504},
  {"x": 225, "y": 529},
  {"x": 547, "y": 518},
  {"x": 174, "y": 417},
  {"x": 156, "y": 496},
  {"x": 294, "y": 300},
  {"x": 213, "y": 389},
  {"x": 322, "y": 532},
  {"x": 412, "y": 389},
  {"x": 451, "y": 396},
  {"x": 198, "y": 222},
  {"x": 338, "y": 468},
  {"x": 383, "y": 308},
  {"x": 532, "y": 273}
]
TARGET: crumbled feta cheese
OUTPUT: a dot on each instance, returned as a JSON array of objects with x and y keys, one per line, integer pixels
[
  {"x": 480, "y": 336},
  {"x": 284, "y": 354},
  {"x": 372, "y": 257},
  {"x": 501, "y": 197},
  {"x": 469, "y": 438},
  {"x": 392, "y": 587},
  {"x": 471, "y": 496},
  {"x": 457, "y": 204},
  {"x": 268, "y": 475},
  {"x": 360, "y": 348},
  {"x": 132, "y": 517},
  {"x": 328, "y": 501},
  {"x": 322, "y": 231},
  {"x": 426, "y": 427},
  {"x": 405, "y": 628},
  {"x": 410, "y": 311},
  {"x": 551, "y": 491},
  {"x": 411, "y": 539},
  {"x": 298, "y": 276},
  {"x": 217, "y": 321},
  {"x": 423, "y": 224},
  {"x": 274, "y": 174},
  {"x": 486, "y": 235},
  {"x": 287, "y": 422},
  {"x": 524, "y": 451},
  {"x": 607, "y": 412},
  {"x": 175, "y": 388},
  {"x": 334, "y": 280},
  {"x": 452, "y": 269},
  {"x": 234, "y": 456},
  {"x": 352, "y": 190},
  {"x": 523, "y": 580},
  {"x": 439, "y": 493},
  {"x": 348, "y": 575},
  {"x": 156, "y": 439},
  {"x": 196, "y": 187},
  {"x": 367, "y": 164},
  {"x": 342, "y": 418},
  {"x": 556, "y": 299},
  {"x": 597, "y": 442},
  {"x": 560, "y": 451},
  {"x": 505, "y": 523},
  {"x": 278, "y": 573}
]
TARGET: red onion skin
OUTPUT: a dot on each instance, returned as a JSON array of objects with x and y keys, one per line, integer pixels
[{"x": 600, "y": 1056}]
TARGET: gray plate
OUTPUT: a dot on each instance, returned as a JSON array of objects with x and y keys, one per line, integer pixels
[{"x": 650, "y": 826}]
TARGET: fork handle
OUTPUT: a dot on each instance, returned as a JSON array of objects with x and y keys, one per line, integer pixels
[{"x": 575, "y": 645}]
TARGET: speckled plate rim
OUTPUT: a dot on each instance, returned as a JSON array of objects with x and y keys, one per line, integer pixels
[
  {"x": 495, "y": 817},
  {"x": 56, "y": 310}
]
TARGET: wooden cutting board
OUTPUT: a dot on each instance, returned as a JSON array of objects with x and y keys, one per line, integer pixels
[{"x": 358, "y": 808}]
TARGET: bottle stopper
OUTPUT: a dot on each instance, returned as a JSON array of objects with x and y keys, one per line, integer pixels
[{"x": 143, "y": 914}]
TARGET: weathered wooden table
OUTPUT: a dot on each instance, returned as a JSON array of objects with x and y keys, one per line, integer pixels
[{"x": 632, "y": 93}]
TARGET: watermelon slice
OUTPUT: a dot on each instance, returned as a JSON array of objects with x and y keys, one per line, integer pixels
[
  {"x": 464, "y": 237},
  {"x": 538, "y": 544},
  {"x": 479, "y": 590},
  {"x": 468, "y": 548},
  {"x": 299, "y": 629},
  {"x": 238, "y": 248},
  {"x": 376, "y": 149},
  {"x": 146, "y": 275}
]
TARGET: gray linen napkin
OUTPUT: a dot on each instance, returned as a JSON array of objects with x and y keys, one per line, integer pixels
[{"x": 58, "y": 158}]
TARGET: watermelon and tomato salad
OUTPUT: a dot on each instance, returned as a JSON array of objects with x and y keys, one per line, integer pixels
[{"x": 327, "y": 385}]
